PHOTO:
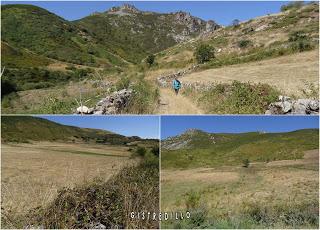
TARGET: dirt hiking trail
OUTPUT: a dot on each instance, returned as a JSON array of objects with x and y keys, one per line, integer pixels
[{"x": 176, "y": 104}]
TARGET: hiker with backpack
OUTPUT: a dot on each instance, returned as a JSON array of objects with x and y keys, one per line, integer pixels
[{"x": 176, "y": 84}]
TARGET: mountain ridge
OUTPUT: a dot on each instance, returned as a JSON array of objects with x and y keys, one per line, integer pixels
[{"x": 27, "y": 128}]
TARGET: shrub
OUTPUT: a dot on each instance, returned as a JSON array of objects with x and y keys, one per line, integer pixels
[
  {"x": 204, "y": 53},
  {"x": 109, "y": 203},
  {"x": 150, "y": 59},
  {"x": 297, "y": 36},
  {"x": 145, "y": 98},
  {"x": 244, "y": 43},
  {"x": 7, "y": 87},
  {"x": 141, "y": 151},
  {"x": 246, "y": 163},
  {"x": 238, "y": 98},
  {"x": 155, "y": 150},
  {"x": 192, "y": 200},
  {"x": 292, "y": 5}
]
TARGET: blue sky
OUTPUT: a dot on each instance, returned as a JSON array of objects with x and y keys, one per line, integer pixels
[
  {"x": 223, "y": 12},
  {"x": 174, "y": 125},
  {"x": 142, "y": 126}
]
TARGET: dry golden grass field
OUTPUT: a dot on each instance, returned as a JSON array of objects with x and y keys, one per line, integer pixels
[
  {"x": 277, "y": 194},
  {"x": 33, "y": 173},
  {"x": 289, "y": 74}
]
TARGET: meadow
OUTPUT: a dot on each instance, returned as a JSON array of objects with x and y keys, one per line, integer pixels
[
  {"x": 37, "y": 177},
  {"x": 277, "y": 194}
]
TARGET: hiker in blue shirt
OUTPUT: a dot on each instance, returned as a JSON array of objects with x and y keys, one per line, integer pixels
[{"x": 176, "y": 84}]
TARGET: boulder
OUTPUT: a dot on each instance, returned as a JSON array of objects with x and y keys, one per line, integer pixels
[
  {"x": 285, "y": 105},
  {"x": 83, "y": 110}
]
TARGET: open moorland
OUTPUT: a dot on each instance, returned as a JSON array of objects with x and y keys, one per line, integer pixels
[
  {"x": 46, "y": 182},
  {"x": 236, "y": 181},
  {"x": 131, "y": 56}
]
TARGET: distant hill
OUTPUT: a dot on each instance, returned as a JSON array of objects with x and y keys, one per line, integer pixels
[
  {"x": 27, "y": 128},
  {"x": 198, "y": 148},
  {"x": 119, "y": 33}
]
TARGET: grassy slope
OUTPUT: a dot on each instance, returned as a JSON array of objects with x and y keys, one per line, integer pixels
[
  {"x": 232, "y": 149},
  {"x": 24, "y": 129},
  {"x": 134, "y": 35},
  {"x": 267, "y": 43}
]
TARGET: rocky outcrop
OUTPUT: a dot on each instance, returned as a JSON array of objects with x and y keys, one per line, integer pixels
[
  {"x": 285, "y": 105},
  {"x": 125, "y": 8},
  {"x": 112, "y": 104},
  {"x": 194, "y": 24},
  {"x": 211, "y": 26}
]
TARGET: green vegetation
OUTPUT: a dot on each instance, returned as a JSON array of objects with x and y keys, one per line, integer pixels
[
  {"x": 145, "y": 98},
  {"x": 204, "y": 53},
  {"x": 18, "y": 58},
  {"x": 279, "y": 189},
  {"x": 33, "y": 28},
  {"x": 231, "y": 149},
  {"x": 235, "y": 98},
  {"x": 37, "y": 78},
  {"x": 292, "y": 5},
  {"x": 246, "y": 163},
  {"x": 244, "y": 43},
  {"x": 27, "y": 128},
  {"x": 150, "y": 59}
]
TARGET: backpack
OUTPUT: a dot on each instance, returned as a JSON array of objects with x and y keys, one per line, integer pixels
[{"x": 176, "y": 84}]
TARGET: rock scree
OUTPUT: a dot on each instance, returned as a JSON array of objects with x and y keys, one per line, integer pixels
[{"x": 286, "y": 105}]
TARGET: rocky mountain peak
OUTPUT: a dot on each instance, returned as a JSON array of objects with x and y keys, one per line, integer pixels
[
  {"x": 193, "y": 131},
  {"x": 125, "y": 8}
]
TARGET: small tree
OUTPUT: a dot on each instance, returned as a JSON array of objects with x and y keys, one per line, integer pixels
[
  {"x": 204, "y": 53},
  {"x": 155, "y": 150},
  {"x": 244, "y": 43},
  {"x": 141, "y": 151},
  {"x": 292, "y": 5},
  {"x": 150, "y": 59},
  {"x": 246, "y": 163}
]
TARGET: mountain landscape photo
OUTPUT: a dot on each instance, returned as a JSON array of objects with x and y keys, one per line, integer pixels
[
  {"x": 56, "y": 175},
  {"x": 240, "y": 179},
  {"x": 122, "y": 59}
]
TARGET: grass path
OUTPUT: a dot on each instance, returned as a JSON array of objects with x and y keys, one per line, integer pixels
[{"x": 176, "y": 104}]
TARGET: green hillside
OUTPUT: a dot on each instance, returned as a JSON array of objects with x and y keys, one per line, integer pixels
[
  {"x": 291, "y": 31},
  {"x": 27, "y": 128},
  {"x": 31, "y": 27},
  {"x": 134, "y": 35},
  {"x": 200, "y": 149}
]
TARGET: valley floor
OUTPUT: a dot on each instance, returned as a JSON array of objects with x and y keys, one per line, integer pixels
[
  {"x": 33, "y": 173},
  {"x": 278, "y": 194}
]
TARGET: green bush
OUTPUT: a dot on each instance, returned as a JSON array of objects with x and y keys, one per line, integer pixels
[
  {"x": 204, "y": 53},
  {"x": 7, "y": 87},
  {"x": 37, "y": 78},
  {"x": 244, "y": 43},
  {"x": 292, "y": 5},
  {"x": 238, "y": 98},
  {"x": 141, "y": 151},
  {"x": 246, "y": 163},
  {"x": 150, "y": 59}
]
